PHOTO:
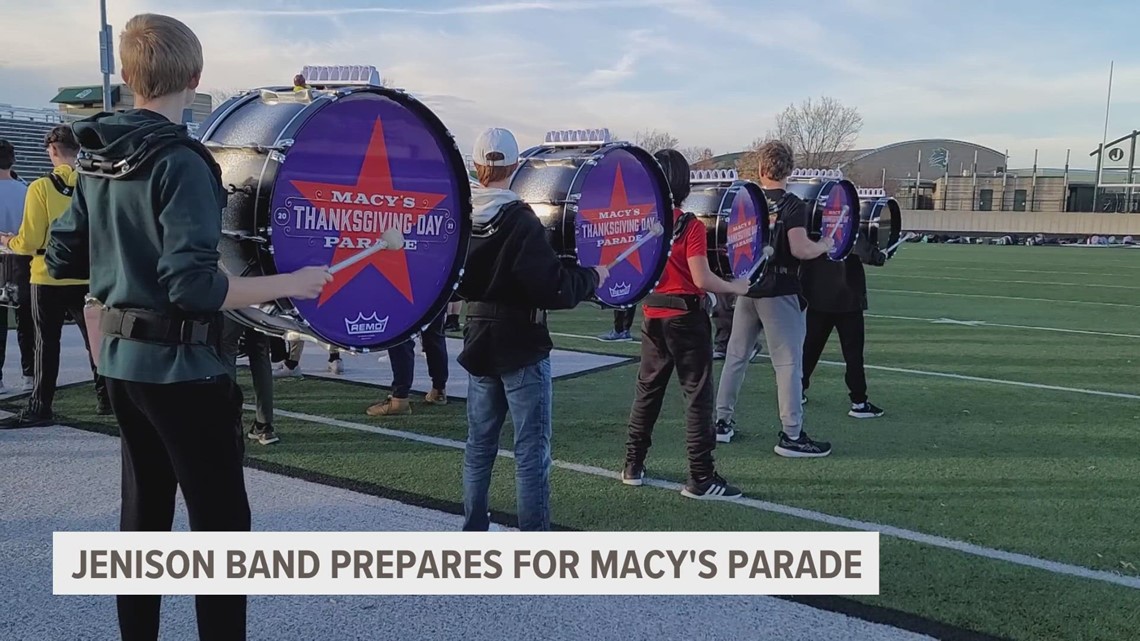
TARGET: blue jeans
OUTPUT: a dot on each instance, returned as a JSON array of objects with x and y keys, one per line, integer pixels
[{"x": 527, "y": 393}]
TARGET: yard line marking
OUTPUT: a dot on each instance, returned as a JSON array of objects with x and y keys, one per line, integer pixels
[
  {"x": 1016, "y": 558},
  {"x": 1040, "y": 300},
  {"x": 1128, "y": 264},
  {"x": 1000, "y": 282},
  {"x": 950, "y": 321},
  {"x": 1019, "y": 271},
  {"x": 960, "y": 377}
]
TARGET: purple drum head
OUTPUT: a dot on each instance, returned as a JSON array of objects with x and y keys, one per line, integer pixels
[
  {"x": 746, "y": 223},
  {"x": 358, "y": 167},
  {"x": 839, "y": 218},
  {"x": 622, "y": 201}
]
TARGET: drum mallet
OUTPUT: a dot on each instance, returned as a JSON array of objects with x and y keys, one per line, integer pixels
[
  {"x": 655, "y": 230},
  {"x": 890, "y": 251},
  {"x": 390, "y": 239},
  {"x": 768, "y": 252}
]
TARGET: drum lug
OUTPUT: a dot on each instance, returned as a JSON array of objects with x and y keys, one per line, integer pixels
[{"x": 286, "y": 143}]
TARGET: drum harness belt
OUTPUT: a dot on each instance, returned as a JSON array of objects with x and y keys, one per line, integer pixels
[
  {"x": 683, "y": 302},
  {"x": 146, "y": 325},
  {"x": 64, "y": 190},
  {"x": 499, "y": 311}
]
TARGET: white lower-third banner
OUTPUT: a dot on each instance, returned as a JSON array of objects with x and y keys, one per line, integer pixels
[{"x": 453, "y": 563}]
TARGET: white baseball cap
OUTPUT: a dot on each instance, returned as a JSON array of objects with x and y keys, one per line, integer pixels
[{"x": 493, "y": 143}]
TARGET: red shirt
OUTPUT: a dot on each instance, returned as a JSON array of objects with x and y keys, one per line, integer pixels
[{"x": 677, "y": 278}]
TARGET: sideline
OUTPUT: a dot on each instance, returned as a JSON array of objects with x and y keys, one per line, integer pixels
[{"x": 1015, "y": 558}]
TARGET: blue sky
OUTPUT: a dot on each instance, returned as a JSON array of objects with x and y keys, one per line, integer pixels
[{"x": 1017, "y": 74}]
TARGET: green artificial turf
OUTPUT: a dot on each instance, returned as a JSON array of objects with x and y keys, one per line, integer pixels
[{"x": 1043, "y": 472}]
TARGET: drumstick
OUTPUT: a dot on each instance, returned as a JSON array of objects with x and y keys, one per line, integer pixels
[
  {"x": 890, "y": 250},
  {"x": 655, "y": 230},
  {"x": 768, "y": 251},
  {"x": 842, "y": 219},
  {"x": 391, "y": 239}
]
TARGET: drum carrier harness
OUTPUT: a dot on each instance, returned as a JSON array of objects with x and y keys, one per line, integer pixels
[
  {"x": 145, "y": 325},
  {"x": 499, "y": 311},
  {"x": 683, "y": 302}
]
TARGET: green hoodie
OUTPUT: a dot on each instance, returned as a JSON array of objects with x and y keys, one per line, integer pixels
[{"x": 149, "y": 235}]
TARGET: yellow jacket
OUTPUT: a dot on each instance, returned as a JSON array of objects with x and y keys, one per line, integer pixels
[{"x": 43, "y": 204}]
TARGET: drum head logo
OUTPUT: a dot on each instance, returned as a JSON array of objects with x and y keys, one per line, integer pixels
[
  {"x": 745, "y": 234},
  {"x": 619, "y": 207},
  {"x": 358, "y": 168},
  {"x": 840, "y": 221}
]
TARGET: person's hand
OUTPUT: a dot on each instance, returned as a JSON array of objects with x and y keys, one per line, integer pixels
[
  {"x": 603, "y": 273},
  {"x": 828, "y": 243},
  {"x": 306, "y": 283},
  {"x": 740, "y": 286}
]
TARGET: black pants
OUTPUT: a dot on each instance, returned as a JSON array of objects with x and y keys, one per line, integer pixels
[
  {"x": 25, "y": 323},
  {"x": 51, "y": 304},
  {"x": 682, "y": 343},
  {"x": 722, "y": 320},
  {"x": 403, "y": 359},
  {"x": 850, "y": 328},
  {"x": 623, "y": 319},
  {"x": 181, "y": 435}
]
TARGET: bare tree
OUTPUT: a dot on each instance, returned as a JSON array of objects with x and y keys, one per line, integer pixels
[
  {"x": 654, "y": 141},
  {"x": 696, "y": 154},
  {"x": 819, "y": 131}
]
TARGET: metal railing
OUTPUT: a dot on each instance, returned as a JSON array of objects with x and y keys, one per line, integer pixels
[
  {"x": 1076, "y": 202},
  {"x": 13, "y": 112}
]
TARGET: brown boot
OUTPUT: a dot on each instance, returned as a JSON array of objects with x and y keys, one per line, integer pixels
[
  {"x": 436, "y": 397},
  {"x": 390, "y": 407}
]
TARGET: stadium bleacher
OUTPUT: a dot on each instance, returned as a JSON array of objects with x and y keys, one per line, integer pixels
[{"x": 26, "y": 128}]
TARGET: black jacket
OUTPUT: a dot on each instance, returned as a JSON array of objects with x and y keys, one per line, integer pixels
[
  {"x": 834, "y": 287},
  {"x": 516, "y": 268}
]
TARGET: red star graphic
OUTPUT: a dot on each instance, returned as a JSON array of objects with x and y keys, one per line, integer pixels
[
  {"x": 741, "y": 227},
  {"x": 619, "y": 202},
  {"x": 374, "y": 179}
]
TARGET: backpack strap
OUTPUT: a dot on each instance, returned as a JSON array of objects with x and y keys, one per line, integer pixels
[
  {"x": 682, "y": 222},
  {"x": 90, "y": 164},
  {"x": 489, "y": 228},
  {"x": 61, "y": 185}
]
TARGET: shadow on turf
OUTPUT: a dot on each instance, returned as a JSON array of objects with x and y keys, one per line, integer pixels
[{"x": 841, "y": 605}]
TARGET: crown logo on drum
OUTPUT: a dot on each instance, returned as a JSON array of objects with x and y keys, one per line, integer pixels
[
  {"x": 620, "y": 290},
  {"x": 713, "y": 176},
  {"x": 577, "y": 137},
  {"x": 816, "y": 174},
  {"x": 342, "y": 76},
  {"x": 371, "y": 324},
  {"x": 872, "y": 192}
]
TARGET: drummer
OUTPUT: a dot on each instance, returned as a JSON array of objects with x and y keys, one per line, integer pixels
[
  {"x": 776, "y": 302},
  {"x": 676, "y": 334}
]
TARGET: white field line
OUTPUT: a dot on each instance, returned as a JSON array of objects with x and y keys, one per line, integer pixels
[
  {"x": 1026, "y": 560},
  {"x": 960, "y": 377},
  {"x": 878, "y": 275},
  {"x": 993, "y": 270},
  {"x": 1123, "y": 264},
  {"x": 989, "y": 324},
  {"x": 1039, "y": 300}
]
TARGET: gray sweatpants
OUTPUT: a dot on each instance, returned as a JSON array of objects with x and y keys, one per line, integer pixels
[{"x": 784, "y": 325}]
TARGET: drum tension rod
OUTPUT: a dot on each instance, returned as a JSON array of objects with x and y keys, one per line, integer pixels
[
  {"x": 261, "y": 149},
  {"x": 241, "y": 235}
]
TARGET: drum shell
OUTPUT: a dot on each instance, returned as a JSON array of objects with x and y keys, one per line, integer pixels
[{"x": 880, "y": 228}]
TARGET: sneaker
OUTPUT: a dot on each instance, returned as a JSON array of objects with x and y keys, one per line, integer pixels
[
  {"x": 336, "y": 368},
  {"x": 725, "y": 430},
  {"x": 714, "y": 488},
  {"x": 288, "y": 372},
  {"x": 633, "y": 474},
  {"x": 803, "y": 400},
  {"x": 865, "y": 410},
  {"x": 436, "y": 397},
  {"x": 103, "y": 407},
  {"x": 390, "y": 407},
  {"x": 613, "y": 336},
  {"x": 803, "y": 447},
  {"x": 718, "y": 355},
  {"x": 452, "y": 323},
  {"x": 263, "y": 434},
  {"x": 23, "y": 420},
  {"x": 29, "y": 383},
  {"x": 755, "y": 352}
]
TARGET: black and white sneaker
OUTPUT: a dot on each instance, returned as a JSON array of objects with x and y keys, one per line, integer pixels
[
  {"x": 725, "y": 430},
  {"x": 714, "y": 488},
  {"x": 633, "y": 474},
  {"x": 865, "y": 410},
  {"x": 803, "y": 447},
  {"x": 718, "y": 355},
  {"x": 263, "y": 434},
  {"x": 803, "y": 400}
]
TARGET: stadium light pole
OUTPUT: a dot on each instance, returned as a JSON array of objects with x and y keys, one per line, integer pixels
[{"x": 106, "y": 55}]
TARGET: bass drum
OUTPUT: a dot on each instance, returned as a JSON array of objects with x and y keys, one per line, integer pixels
[
  {"x": 735, "y": 214},
  {"x": 598, "y": 201},
  {"x": 880, "y": 226},
  {"x": 316, "y": 178},
  {"x": 832, "y": 208}
]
